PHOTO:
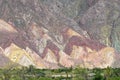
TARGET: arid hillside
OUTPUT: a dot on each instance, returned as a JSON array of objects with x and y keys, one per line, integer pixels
[{"x": 60, "y": 33}]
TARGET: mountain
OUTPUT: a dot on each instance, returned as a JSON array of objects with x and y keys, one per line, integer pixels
[
  {"x": 60, "y": 33},
  {"x": 69, "y": 49}
]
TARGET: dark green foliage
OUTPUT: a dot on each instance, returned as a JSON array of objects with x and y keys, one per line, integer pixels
[
  {"x": 77, "y": 73},
  {"x": 98, "y": 74}
]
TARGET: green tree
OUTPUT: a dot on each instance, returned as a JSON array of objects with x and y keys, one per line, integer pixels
[
  {"x": 98, "y": 74},
  {"x": 80, "y": 73},
  {"x": 108, "y": 73}
]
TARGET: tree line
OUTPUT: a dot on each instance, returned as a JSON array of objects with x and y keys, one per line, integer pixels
[{"x": 77, "y": 73}]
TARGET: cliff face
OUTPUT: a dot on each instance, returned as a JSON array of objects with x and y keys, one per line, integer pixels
[{"x": 65, "y": 32}]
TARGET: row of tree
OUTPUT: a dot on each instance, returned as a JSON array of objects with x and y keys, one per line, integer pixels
[{"x": 32, "y": 73}]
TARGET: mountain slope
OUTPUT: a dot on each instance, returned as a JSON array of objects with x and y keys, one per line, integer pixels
[
  {"x": 55, "y": 33},
  {"x": 4, "y": 61},
  {"x": 18, "y": 55}
]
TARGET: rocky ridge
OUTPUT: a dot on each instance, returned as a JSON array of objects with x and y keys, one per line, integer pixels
[
  {"x": 55, "y": 33},
  {"x": 76, "y": 51}
]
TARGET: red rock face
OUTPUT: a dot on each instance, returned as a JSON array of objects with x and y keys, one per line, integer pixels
[
  {"x": 75, "y": 40},
  {"x": 53, "y": 48},
  {"x": 64, "y": 39},
  {"x": 77, "y": 49},
  {"x": 7, "y": 34}
]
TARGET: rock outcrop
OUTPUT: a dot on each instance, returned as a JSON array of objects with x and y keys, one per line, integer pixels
[{"x": 60, "y": 33}]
